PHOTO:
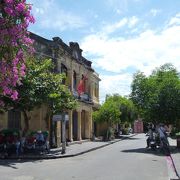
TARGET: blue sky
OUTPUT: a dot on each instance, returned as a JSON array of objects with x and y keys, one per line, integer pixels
[{"x": 118, "y": 36}]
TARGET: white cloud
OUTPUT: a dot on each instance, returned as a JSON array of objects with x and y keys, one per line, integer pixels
[
  {"x": 115, "y": 84},
  {"x": 121, "y": 6},
  {"x": 175, "y": 20},
  {"x": 133, "y": 21},
  {"x": 144, "y": 52},
  {"x": 149, "y": 47},
  {"x": 110, "y": 28},
  {"x": 50, "y": 16},
  {"x": 154, "y": 12},
  {"x": 62, "y": 21}
]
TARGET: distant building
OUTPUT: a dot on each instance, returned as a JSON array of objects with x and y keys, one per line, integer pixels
[{"x": 138, "y": 126}]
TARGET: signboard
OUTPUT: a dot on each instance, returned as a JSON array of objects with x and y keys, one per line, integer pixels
[
  {"x": 57, "y": 117},
  {"x": 66, "y": 117}
]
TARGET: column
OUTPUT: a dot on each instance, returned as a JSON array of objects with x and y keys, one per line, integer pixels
[
  {"x": 70, "y": 79},
  {"x": 58, "y": 130},
  {"x": 87, "y": 125},
  {"x": 90, "y": 120},
  {"x": 79, "y": 126},
  {"x": 70, "y": 126}
]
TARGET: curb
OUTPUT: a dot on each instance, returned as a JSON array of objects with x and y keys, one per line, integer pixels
[
  {"x": 66, "y": 156},
  {"x": 177, "y": 177}
]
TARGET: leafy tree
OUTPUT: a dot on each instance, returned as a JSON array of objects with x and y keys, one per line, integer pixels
[
  {"x": 41, "y": 86},
  {"x": 115, "y": 110},
  {"x": 126, "y": 107},
  {"x": 108, "y": 112},
  {"x": 158, "y": 96}
]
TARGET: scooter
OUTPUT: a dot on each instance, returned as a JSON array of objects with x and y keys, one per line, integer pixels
[
  {"x": 29, "y": 144},
  {"x": 42, "y": 145},
  {"x": 153, "y": 141},
  {"x": 2, "y": 145}
]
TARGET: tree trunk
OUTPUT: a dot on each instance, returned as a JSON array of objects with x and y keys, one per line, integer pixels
[{"x": 26, "y": 122}]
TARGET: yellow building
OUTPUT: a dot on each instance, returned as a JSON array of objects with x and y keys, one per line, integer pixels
[{"x": 68, "y": 60}]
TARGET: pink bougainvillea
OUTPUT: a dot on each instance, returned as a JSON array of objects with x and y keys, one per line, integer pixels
[{"x": 15, "y": 17}]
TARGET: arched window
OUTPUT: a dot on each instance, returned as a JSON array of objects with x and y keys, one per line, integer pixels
[{"x": 64, "y": 70}]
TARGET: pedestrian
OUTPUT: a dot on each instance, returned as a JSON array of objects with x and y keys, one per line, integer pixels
[{"x": 162, "y": 134}]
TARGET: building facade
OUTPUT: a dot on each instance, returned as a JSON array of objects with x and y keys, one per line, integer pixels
[{"x": 68, "y": 59}]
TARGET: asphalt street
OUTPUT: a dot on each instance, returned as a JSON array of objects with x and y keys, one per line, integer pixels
[{"x": 124, "y": 160}]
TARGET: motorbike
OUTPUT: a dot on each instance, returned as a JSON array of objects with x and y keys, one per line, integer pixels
[
  {"x": 42, "y": 143},
  {"x": 2, "y": 144},
  {"x": 29, "y": 144},
  {"x": 153, "y": 141}
]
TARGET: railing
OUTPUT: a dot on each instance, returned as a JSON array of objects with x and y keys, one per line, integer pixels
[{"x": 83, "y": 97}]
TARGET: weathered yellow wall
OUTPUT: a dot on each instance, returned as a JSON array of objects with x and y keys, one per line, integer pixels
[
  {"x": 3, "y": 121},
  {"x": 101, "y": 128},
  {"x": 37, "y": 121}
]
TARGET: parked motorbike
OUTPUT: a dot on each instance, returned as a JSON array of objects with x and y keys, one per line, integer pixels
[
  {"x": 9, "y": 142},
  {"x": 42, "y": 143},
  {"x": 29, "y": 143},
  {"x": 12, "y": 144},
  {"x": 2, "y": 144},
  {"x": 153, "y": 142}
]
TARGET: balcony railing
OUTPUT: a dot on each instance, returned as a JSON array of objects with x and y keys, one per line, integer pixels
[{"x": 83, "y": 97}]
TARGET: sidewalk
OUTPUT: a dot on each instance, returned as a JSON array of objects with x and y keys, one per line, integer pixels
[
  {"x": 74, "y": 149},
  {"x": 175, "y": 154}
]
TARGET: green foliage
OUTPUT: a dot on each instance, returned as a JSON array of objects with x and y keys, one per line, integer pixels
[
  {"x": 109, "y": 112},
  {"x": 125, "y": 106},
  {"x": 116, "y": 109},
  {"x": 157, "y": 97},
  {"x": 42, "y": 86}
]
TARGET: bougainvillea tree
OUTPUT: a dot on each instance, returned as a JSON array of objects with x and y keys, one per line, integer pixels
[{"x": 15, "y": 17}]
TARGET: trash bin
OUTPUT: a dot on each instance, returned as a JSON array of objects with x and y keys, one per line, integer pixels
[{"x": 178, "y": 141}]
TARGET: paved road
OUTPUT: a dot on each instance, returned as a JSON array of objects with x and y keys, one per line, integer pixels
[{"x": 125, "y": 160}]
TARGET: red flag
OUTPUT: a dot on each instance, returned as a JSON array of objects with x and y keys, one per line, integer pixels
[{"x": 81, "y": 85}]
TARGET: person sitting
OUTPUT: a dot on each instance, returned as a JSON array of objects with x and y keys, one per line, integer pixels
[{"x": 162, "y": 133}]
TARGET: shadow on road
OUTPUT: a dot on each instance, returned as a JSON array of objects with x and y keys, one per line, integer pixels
[
  {"x": 157, "y": 152},
  {"x": 13, "y": 163},
  {"x": 131, "y": 138}
]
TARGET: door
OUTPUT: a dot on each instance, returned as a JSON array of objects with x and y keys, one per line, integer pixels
[
  {"x": 75, "y": 125},
  {"x": 14, "y": 119}
]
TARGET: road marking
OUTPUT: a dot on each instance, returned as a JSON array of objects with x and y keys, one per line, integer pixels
[{"x": 172, "y": 173}]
